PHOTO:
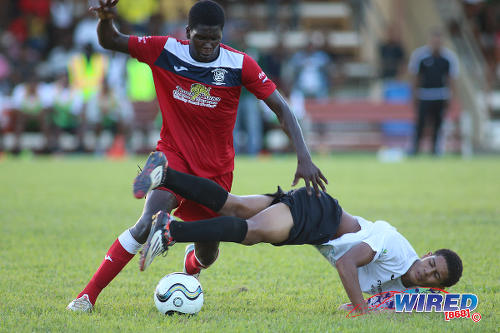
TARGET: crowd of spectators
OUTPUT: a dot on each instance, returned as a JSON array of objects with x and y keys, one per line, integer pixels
[{"x": 56, "y": 78}]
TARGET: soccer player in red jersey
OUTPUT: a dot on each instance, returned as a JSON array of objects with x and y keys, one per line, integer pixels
[{"x": 198, "y": 83}]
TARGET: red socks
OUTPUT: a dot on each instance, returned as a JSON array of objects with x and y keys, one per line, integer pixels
[
  {"x": 116, "y": 258},
  {"x": 192, "y": 265}
]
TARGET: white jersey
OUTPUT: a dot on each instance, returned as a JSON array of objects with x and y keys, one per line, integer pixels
[
  {"x": 22, "y": 101},
  {"x": 394, "y": 255},
  {"x": 5, "y": 105}
]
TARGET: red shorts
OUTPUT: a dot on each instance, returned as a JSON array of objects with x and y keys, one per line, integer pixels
[{"x": 189, "y": 210}]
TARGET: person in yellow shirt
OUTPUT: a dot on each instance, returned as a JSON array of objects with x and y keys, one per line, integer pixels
[
  {"x": 142, "y": 95},
  {"x": 173, "y": 10},
  {"x": 87, "y": 71},
  {"x": 137, "y": 13}
]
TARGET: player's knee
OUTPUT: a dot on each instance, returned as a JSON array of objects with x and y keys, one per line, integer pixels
[
  {"x": 235, "y": 206},
  {"x": 254, "y": 234}
]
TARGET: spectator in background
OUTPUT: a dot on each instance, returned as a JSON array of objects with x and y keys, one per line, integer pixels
[
  {"x": 107, "y": 111},
  {"x": 59, "y": 57},
  {"x": 84, "y": 33},
  {"x": 31, "y": 105},
  {"x": 67, "y": 107},
  {"x": 248, "y": 131},
  {"x": 25, "y": 60},
  {"x": 142, "y": 94},
  {"x": 434, "y": 69},
  {"x": 248, "y": 127},
  {"x": 137, "y": 13},
  {"x": 173, "y": 13},
  {"x": 5, "y": 71},
  {"x": 311, "y": 69},
  {"x": 87, "y": 71},
  {"x": 117, "y": 75},
  {"x": 391, "y": 64},
  {"x": 273, "y": 13},
  {"x": 62, "y": 20},
  {"x": 36, "y": 33},
  {"x": 271, "y": 62},
  {"x": 35, "y": 14},
  {"x": 391, "y": 55},
  {"x": 5, "y": 106}
]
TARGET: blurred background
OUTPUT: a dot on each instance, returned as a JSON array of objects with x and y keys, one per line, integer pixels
[{"x": 343, "y": 66}]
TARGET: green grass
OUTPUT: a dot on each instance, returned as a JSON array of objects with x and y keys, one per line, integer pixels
[{"x": 58, "y": 217}]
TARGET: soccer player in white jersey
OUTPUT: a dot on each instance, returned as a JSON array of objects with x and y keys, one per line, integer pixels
[{"x": 370, "y": 257}]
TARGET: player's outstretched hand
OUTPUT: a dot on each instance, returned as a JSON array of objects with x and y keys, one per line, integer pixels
[
  {"x": 357, "y": 311},
  {"x": 311, "y": 175},
  {"x": 105, "y": 9}
]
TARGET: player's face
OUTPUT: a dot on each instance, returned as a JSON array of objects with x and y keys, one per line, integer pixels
[
  {"x": 430, "y": 271},
  {"x": 204, "y": 42}
]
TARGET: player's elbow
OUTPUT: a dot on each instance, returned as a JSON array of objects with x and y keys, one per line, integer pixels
[
  {"x": 105, "y": 42},
  {"x": 343, "y": 264}
]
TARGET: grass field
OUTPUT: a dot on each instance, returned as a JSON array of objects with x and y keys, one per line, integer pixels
[{"x": 59, "y": 216}]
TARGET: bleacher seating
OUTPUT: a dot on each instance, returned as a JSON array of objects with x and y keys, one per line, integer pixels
[{"x": 363, "y": 125}]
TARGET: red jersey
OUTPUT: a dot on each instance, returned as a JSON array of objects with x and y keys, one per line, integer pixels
[{"x": 199, "y": 100}]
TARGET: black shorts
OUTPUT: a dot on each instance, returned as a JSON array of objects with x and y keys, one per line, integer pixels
[{"x": 315, "y": 220}]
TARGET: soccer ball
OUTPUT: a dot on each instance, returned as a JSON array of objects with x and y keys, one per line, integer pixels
[{"x": 178, "y": 292}]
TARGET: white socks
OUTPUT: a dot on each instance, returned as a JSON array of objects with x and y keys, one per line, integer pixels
[{"x": 128, "y": 242}]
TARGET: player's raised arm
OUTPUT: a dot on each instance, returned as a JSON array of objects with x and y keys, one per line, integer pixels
[
  {"x": 305, "y": 167},
  {"x": 109, "y": 37},
  {"x": 347, "y": 266}
]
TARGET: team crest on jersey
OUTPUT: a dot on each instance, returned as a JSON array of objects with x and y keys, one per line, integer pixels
[
  {"x": 197, "y": 95},
  {"x": 219, "y": 74}
]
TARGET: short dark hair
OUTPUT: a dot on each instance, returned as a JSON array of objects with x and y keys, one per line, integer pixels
[
  {"x": 206, "y": 12},
  {"x": 454, "y": 264}
]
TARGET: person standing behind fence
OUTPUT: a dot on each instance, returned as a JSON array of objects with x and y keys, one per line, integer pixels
[{"x": 433, "y": 69}]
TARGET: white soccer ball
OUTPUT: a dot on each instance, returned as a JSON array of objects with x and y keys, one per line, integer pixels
[{"x": 178, "y": 292}]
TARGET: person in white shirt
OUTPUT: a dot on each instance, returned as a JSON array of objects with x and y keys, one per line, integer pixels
[
  {"x": 5, "y": 106},
  {"x": 67, "y": 111},
  {"x": 31, "y": 104},
  {"x": 370, "y": 257},
  {"x": 108, "y": 110}
]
